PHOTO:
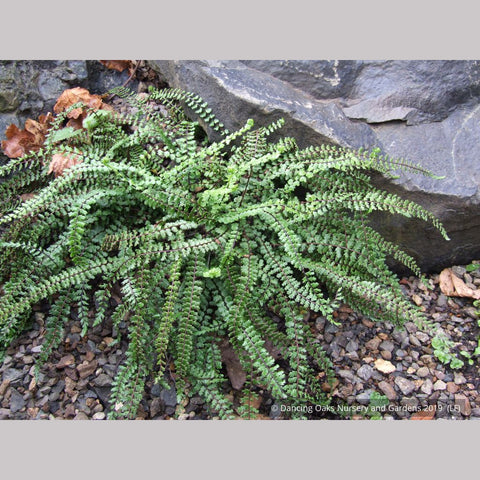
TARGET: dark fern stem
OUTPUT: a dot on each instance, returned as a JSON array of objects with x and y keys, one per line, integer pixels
[{"x": 199, "y": 239}]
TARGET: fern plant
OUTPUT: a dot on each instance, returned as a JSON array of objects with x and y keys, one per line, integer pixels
[{"x": 203, "y": 240}]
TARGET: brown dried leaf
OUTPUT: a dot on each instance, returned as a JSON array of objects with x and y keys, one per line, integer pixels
[
  {"x": 26, "y": 196},
  {"x": 453, "y": 286},
  {"x": 118, "y": 65},
  {"x": 74, "y": 95},
  {"x": 31, "y": 139},
  {"x": 61, "y": 162},
  {"x": 235, "y": 371}
]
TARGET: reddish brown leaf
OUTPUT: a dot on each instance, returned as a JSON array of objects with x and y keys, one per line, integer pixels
[
  {"x": 118, "y": 65},
  {"x": 26, "y": 196},
  {"x": 74, "y": 95},
  {"x": 453, "y": 286},
  {"x": 424, "y": 415},
  {"x": 235, "y": 371},
  {"x": 19, "y": 142},
  {"x": 61, "y": 162}
]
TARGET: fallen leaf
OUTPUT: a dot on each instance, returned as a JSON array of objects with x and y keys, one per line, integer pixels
[
  {"x": 453, "y": 286},
  {"x": 119, "y": 65},
  {"x": 424, "y": 415},
  {"x": 26, "y": 196},
  {"x": 30, "y": 139},
  {"x": 235, "y": 371},
  {"x": 75, "y": 95},
  {"x": 61, "y": 162}
]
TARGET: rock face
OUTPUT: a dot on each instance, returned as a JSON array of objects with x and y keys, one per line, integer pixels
[{"x": 427, "y": 112}]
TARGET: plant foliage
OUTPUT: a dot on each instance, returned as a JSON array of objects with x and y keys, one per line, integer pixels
[{"x": 200, "y": 238}]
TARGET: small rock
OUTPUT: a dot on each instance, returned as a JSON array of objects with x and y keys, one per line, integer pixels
[
  {"x": 103, "y": 380},
  {"x": 411, "y": 327},
  {"x": 423, "y": 372},
  {"x": 414, "y": 340},
  {"x": 386, "y": 354},
  {"x": 452, "y": 387},
  {"x": 388, "y": 390},
  {"x": 17, "y": 401},
  {"x": 405, "y": 386},
  {"x": 439, "y": 385},
  {"x": 365, "y": 372},
  {"x": 4, "y": 413},
  {"x": 367, "y": 323},
  {"x": 85, "y": 369},
  {"x": 169, "y": 397},
  {"x": 156, "y": 407},
  {"x": 442, "y": 300},
  {"x": 81, "y": 416},
  {"x": 352, "y": 346},
  {"x": 13, "y": 375},
  {"x": 400, "y": 353},
  {"x": 36, "y": 349},
  {"x": 65, "y": 361},
  {"x": 464, "y": 404},
  {"x": 427, "y": 387},
  {"x": 347, "y": 374},
  {"x": 4, "y": 386},
  {"x": 99, "y": 416},
  {"x": 384, "y": 366},
  {"x": 364, "y": 397},
  {"x": 417, "y": 299},
  {"x": 423, "y": 337},
  {"x": 387, "y": 345},
  {"x": 459, "y": 379},
  {"x": 373, "y": 343}
]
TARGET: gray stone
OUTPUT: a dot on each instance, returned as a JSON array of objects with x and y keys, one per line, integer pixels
[
  {"x": 169, "y": 397},
  {"x": 427, "y": 112},
  {"x": 427, "y": 387},
  {"x": 352, "y": 346},
  {"x": 387, "y": 345},
  {"x": 15, "y": 376},
  {"x": 406, "y": 386},
  {"x": 347, "y": 375},
  {"x": 364, "y": 397},
  {"x": 423, "y": 372},
  {"x": 17, "y": 401},
  {"x": 365, "y": 372},
  {"x": 103, "y": 380}
]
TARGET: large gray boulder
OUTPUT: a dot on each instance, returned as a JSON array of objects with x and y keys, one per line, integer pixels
[{"x": 427, "y": 112}]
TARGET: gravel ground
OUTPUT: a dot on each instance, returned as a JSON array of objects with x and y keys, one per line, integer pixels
[{"x": 398, "y": 364}]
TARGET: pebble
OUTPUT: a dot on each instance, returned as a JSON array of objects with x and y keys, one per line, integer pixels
[
  {"x": 81, "y": 416},
  {"x": 439, "y": 385},
  {"x": 423, "y": 372},
  {"x": 387, "y": 345},
  {"x": 388, "y": 390},
  {"x": 17, "y": 401},
  {"x": 427, "y": 387},
  {"x": 365, "y": 372},
  {"x": 99, "y": 416},
  {"x": 384, "y": 366},
  {"x": 406, "y": 386},
  {"x": 103, "y": 380},
  {"x": 459, "y": 379}
]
